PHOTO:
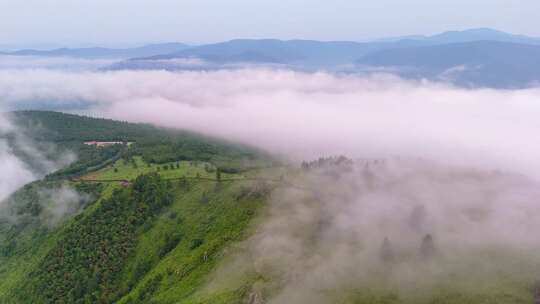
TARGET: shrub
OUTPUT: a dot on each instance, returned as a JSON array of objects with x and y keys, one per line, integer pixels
[{"x": 196, "y": 243}]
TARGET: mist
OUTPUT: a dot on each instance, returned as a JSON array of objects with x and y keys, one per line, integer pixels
[
  {"x": 14, "y": 172},
  {"x": 305, "y": 115},
  {"x": 59, "y": 202},
  {"x": 22, "y": 160},
  {"x": 359, "y": 229}
]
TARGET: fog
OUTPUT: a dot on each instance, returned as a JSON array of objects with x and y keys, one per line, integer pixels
[
  {"x": 59, "y": 202},
  {"x": 459, "y": 165},
  {"x": 303, "y": 115},
  {"x": 23, "y": 160},
  {"x": 323, "y": 242},
  {"x": 14, "y": 172}
]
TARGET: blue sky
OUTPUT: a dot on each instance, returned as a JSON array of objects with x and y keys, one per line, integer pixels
[{"x": 124, "y": 22}]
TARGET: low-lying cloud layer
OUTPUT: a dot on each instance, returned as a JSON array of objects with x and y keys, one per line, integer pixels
[{"x": 307, "y": 114}]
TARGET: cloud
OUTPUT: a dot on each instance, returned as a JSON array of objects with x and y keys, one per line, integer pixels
[
  {"x": 14, "y": 172},
  {"x": 22, "y": 160},
  {"x": 59, "y": 202},
  {"x": 323, "y": 243},
  {"x": 308, "y": 114}
]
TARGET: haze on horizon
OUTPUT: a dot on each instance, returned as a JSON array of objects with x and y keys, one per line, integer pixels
[{"x": 36, "y": 23}]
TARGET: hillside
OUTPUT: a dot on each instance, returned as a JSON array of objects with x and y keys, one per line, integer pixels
[
  {"x": 199, "y": 220},
  {"x": 302, "y": 54},
  {"x": 479, "y": 63},
  {"x": 69, "y": 132},
  {"x": 135, "y": 243},
  {"x": 81, "y": 237},
  {"x": 456, "y": 58},
  {"x": 469, "y": 35},
  {"x": 471, "y": 58}
]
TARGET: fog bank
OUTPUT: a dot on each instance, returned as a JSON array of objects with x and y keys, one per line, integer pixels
[
  {"x": 411, "y": 229},
  {"x": 22, "y": 159},
  {"x": 14, "y": 172},
  {"x": 304, "y": 115}
]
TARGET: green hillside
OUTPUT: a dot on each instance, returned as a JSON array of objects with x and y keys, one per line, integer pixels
[
  {"x": 172, "y": 217},
  {"x": 149, "y": 214},
  {"x": 134, "y": 243},
  {"x": 68, "y": 133}
]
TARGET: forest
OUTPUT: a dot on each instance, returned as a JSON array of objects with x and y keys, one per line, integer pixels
[
  {"x": 97, "y": 250},
  {"x": 56, "y": 134}
]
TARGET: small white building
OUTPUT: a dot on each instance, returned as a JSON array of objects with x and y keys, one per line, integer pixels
[{"x": 105, "y": 143}]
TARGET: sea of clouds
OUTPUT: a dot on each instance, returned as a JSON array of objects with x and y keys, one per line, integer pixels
[{"x": 304, "y": 115}]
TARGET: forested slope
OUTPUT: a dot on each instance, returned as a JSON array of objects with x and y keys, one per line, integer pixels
[
  {"x": 155, "y": 238},
  {"x": 57, "y": 134}
]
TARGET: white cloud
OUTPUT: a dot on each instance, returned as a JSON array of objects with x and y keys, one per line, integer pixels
[
  {"x": 305, "y": 115},
  {"x": 14, "y": 172}
]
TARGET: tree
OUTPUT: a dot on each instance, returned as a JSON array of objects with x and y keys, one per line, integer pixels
[
  {"x": 427, "y": 248},
  {"x": 218, "y": 175},
  {"x": 195, "y": 243}
]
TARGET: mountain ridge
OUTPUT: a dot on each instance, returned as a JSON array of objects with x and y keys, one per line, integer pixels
[
  {"x": 476, "y": 63},
  {"x": 102, "y": 52}
]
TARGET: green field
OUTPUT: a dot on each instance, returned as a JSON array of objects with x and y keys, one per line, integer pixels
[{"x": 128, "y": 170}]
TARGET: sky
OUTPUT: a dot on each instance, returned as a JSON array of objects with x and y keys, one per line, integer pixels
[{"x": 131, "y": 22}]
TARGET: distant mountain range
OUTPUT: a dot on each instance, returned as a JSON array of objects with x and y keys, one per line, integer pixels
[
  {"x": 99, "y": 52},
  {"x": 469, "y": 36},
  {"x": 477, "y": 63},
  {"x": 476, "y": 57},
  {"x": 308, "y": 53}
]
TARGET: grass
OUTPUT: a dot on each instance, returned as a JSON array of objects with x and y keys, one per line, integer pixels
[
  {"x": 207, "y": 218},
  {"x": 130, "y": 170},
  {"x": 206, "y": 212}
]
